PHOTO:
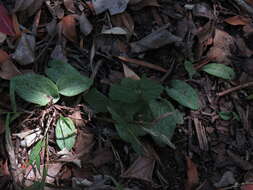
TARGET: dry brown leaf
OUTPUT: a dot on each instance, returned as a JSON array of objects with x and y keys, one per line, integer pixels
[
  {"x": 237, "y": 20},
  {"x": 129, "y": 73},
  {"x": 144, "y": 3},
  {"x": 3, "y": 56},
  {"x": 68, "y": 25},
  {"x": 222, "y": 46},
  {"x": 76, "y": 117},
  {"x": 8, "y": 70},
  {"x": 141, "y": 169},
  {"x": 192, "y": 174},
  {"x": 101, "y": 157},
  {"x": 123, "y": 20},
  {"x": 84, "y": 143},
  {"x": 250, "y": 2}
]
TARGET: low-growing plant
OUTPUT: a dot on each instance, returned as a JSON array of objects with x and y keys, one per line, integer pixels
[{"x": 136, "y": 106}]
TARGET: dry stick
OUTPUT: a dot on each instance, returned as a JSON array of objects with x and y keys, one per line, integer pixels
[
  {"x": 142, "y": 63},
  {"x": 244, "y": 6},
  {"x": 225, "y": 92}
]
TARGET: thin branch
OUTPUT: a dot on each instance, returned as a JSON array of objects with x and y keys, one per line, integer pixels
[{"x": 228, "y": 91}]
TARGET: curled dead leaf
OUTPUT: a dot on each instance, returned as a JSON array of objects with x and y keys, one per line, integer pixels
[
  {"x": 68, "y": 27},
  {"x": 237, "y": 20},
  {"x": 192, "y": 174}
]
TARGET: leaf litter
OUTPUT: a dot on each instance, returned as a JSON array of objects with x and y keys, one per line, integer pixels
[{"x": 96, "y": 65}]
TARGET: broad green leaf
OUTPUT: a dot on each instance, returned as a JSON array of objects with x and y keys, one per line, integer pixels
[
  {"x": 34, "y": 88},
  {"x": 219, "y": 70},
  {"x": 190, "y": 69},
  {"x": 184, "y": 94},
  {"x": 127, "y": 91},
  {"x": 163, "y": 129},
  {"x": 35, "y": 153},
  {"x": 97, "y": 100},
  {"x": 150, "y": 89},
  {"x": 128, "y": 110},
  {"x": 128, "y": 132},
  {"x": 131, "y": 91},
  {"x": 58, "y": 69},
  {"x": 69, "y": 81},
  {"x": 73, "y": 85},
  {"x": 65, "y": 133}
]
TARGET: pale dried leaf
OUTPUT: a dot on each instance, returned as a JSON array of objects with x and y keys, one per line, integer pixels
[
  {"x": 69, "y": 5},
  {"x": 2, "y": 37},
  {"x": 130, "y": 73},
  {"x": 85, "y": 25},
  {"x": 24, "y": 53},
  {"x": 114, "y": 6}
]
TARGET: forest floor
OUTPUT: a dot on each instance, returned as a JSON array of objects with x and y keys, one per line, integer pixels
[{"x": 155, "y": 94}]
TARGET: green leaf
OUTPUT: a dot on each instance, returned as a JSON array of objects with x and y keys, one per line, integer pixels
[
  {"x": 128, "y": 132},
  {"x": 131, "y": 91},
  {"x": 219, "y": 70},
  {"x": 228, "y": 115},
  {"x": 189, "y": 68},
  {"x": 163, "y": 128},
  {"x": 225, "y": 115},
  {"x": 34, "y": 88},
  {"x": 97, "y": 100},
  {"x": 65, "y": 133},
  {"x": 35, "y": 153},
  {"x": 127, "y": 91},
  {"x": 150, "y": 89},
  {"x": 184, "y": 94},
  {"x": 73, "y": 85},
  {"x": 58, "y": 69},
  {"x": 69, "y": 81}
]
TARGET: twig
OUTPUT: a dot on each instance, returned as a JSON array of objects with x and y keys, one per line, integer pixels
[
  {"x": 142, "y": 63},
  {"x": 244, "y": 6},
  {"x": 228, "y": 91}
]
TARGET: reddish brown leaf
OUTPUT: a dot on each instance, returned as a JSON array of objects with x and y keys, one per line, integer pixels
[
  {"x": 247, "y": 187},
  {"x": 142, "y": 169},
  {"x": 3, "y": 56},
  {"x": 237, "y": 20},
  {"x": 68, "y": 24},
  {"x": 8, "y": 70},
  {"x": 192, "y": 174},
  {"x": 6, "y": 25},
  {"x": 250, "y": 2}
]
